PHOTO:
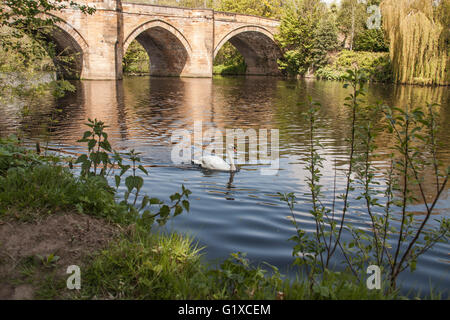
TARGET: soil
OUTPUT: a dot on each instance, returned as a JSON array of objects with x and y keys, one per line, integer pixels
[{"x": 71, "y": 237}]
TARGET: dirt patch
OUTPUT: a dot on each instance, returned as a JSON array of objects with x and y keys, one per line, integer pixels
[{"x": 30, "y": 252}]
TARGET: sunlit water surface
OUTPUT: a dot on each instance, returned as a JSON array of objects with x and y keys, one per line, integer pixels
[{"x": 240, "y": 213}]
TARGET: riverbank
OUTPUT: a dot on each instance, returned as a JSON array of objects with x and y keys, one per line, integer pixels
[
  {"x": 50, "y": 219},
  {"x": 376, "y": 64}
]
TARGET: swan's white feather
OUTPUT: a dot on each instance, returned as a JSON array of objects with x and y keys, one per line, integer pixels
[{"x": 215, "y": 163}]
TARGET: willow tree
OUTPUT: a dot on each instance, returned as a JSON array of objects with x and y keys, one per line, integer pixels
[{"x": 418, "y": 37}]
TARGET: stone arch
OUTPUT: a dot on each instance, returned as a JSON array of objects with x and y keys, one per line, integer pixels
[
  {"x": 70, "y": 50},
  {"x": 258, "y": 47},
  {"x": 168, "y": 50}
]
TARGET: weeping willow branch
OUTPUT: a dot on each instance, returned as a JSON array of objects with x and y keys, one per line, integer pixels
[{"x": 418, "y": 39}]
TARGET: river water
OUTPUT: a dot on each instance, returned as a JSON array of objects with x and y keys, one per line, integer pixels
[{"x": 240, "y": 213}]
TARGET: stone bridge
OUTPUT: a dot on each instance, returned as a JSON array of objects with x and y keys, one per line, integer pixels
[{"x": 179, "y": 41}]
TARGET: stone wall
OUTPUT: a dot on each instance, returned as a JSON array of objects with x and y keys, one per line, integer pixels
[{"x": 180, "y": 41}]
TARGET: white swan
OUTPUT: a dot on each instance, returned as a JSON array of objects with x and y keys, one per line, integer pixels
[{"x": 217, "y": 163}]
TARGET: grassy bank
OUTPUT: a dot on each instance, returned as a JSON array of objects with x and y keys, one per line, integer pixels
[
  {"x": 376, "y": 65},
  {"x": 230, "y": 70},
  {"x": 51, "y": 218}
]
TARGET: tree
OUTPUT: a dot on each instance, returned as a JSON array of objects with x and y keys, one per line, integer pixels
[
  {"x": 136, "y": 59},
  {"x": 351, "y": 20},
  {"x": 263, "y": 8},
  {"x": 371, "y": 40},
  {"x": 33, "y": 15},
  {"x": 418, "y": 35},
  {"x": 305, "y": 35},
  {"x": 32, "y": 18},
  {"x": 325, "y": 40}
]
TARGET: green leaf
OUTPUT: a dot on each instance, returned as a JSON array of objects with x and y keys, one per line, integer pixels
[
  {"x": 124, "y": 169},
  {"x": 81, "y": 159},
  {"x": 139, "y": 181},
  {"x": 86, "y": 135},
  {"x": 155, "y": 201},
  {"x": 106, "y": 146},
  {"x": 145, "y": 202},
  {"x": 175, "y": 196},
  {"x": 186, "y": 205},
  {"x": 92, "y": 143},
  {"x": 143, "y": 169},
  {"x": 164, "y": 212},
  {"x": 129, "y": 183},
  {"x": 178, "y": 210}
]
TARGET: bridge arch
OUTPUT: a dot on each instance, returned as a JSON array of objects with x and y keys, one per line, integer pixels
[
  {"x": 258, "y": 47},
  {"x": 70, "y": 49},
  {"x": 169, "y": 51}
]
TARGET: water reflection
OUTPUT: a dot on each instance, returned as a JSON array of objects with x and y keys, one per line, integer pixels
[{"x": 143, "y": 112}]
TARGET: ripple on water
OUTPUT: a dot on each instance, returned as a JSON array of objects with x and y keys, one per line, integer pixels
[{"x": 244, "y": 213}]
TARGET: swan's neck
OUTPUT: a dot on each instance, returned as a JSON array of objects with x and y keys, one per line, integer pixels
[{"x": 230, "y": 156}]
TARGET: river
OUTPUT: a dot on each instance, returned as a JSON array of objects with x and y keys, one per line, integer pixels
[{"x": 243, "y": 213}]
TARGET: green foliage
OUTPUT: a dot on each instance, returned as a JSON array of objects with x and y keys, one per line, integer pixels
[
  {"x": 240, "y": 280},
  {"x": 30, "y": 57},
  {"x": 34, "y": 19},
  {"x": 233, "y": 69},
  {"x": 146, "y": 266},
  {"x": 371, "y": 40},
  {"x": 306, "y": 35},
  {"x": 29, "y": 12},
  {"x": 413, "y": 157},
  {"x": 27, "y": 192},
  {"x": 415, "y": 134},
  {"x": 229, "y": 61},
  {"x": 325, "y": 41},
  {"x": 33, "y": 184},
  {"x": 351, "y": 20},
  {"x": 14, "y": 156},
  {"x": 100, "y": 153},
  {"x": 376, "y": 66},
  {"x": 136, "y": 60},
  {"x": 263, "y": 8},
  {"x": 228, "y": 55},
  {"x": 49, "y": 260},
  {"x": 98, "y": 148},
  {"x": 419, "y": 40}
]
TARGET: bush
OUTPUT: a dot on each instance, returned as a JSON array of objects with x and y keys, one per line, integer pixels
[
  {"x": 371, "y": 40},
  {"x": 136, "y": 60},
  {"x": 156, "y": 266},
  {"x": 376, "y": 65},
  {"x": 49, "y": 189},
  {"x": 234, "y": 69},
  {"x": 391, "y": 243}
]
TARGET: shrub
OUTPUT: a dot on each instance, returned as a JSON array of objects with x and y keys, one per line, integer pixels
[
  {"x": 394, "y": 238},
  {"x": 371, "y": 40},
  {"x": 233, "y": 69},
  {"x": 376, "y": 65}
]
